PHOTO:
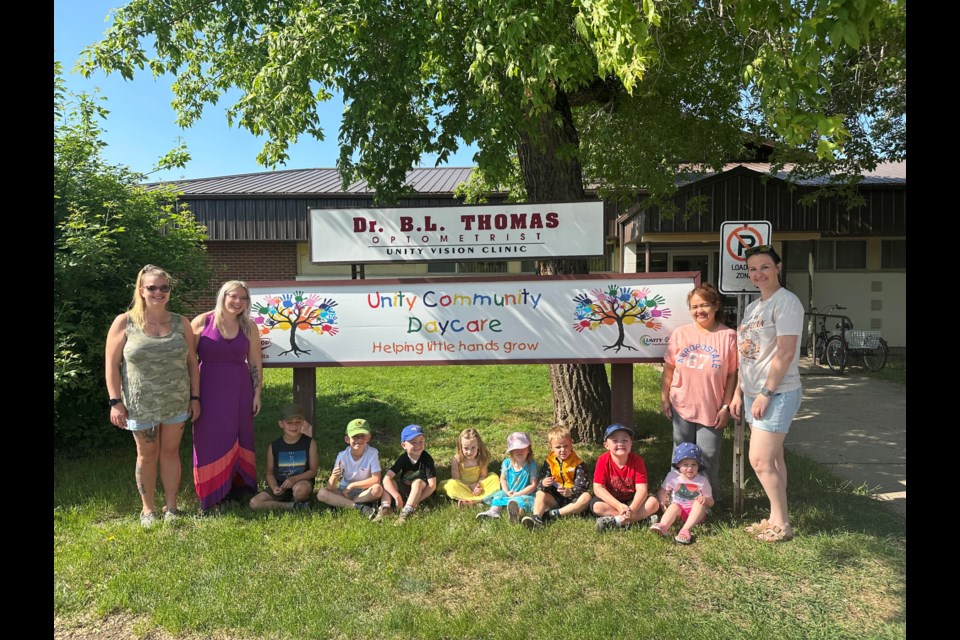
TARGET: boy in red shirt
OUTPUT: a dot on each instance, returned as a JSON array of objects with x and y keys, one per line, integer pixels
[{"x": 620, "y": 483}]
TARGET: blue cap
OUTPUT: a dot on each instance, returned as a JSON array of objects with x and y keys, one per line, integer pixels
[
  {"x": 410, "y": 432},
  {"x": 686, "y": 450},
  {"x": 619, "y": 427}
]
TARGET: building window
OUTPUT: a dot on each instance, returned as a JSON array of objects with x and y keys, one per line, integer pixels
[
  {"x": 594, "y": 265},
  {"x": 436, "y": 268},
  {"x": 796, "y": 254},
  {"x": 658, "y": 262},
  {"x": 834, "y": 255},
  {"x": 893, "y": 254}
]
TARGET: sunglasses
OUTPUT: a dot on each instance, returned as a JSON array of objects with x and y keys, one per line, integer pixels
[
  {"x": 152, "y": 288},
  {"x": 763, "y": 248}
]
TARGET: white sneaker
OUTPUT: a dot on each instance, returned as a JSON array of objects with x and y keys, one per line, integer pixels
[
  {"x": 488, "y": 514},
  {"x": 606, "y": 522}
]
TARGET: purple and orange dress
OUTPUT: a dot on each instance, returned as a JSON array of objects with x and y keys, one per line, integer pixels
[{"x": 223, "y": 457}]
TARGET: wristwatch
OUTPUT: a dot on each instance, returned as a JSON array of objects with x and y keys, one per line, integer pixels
[
  {"x": 765, "y": 392},
  {"x": 114, "y": 401}
]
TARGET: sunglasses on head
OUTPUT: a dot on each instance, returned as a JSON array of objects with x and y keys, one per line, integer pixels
[
  {"x": 763, "y": 248},
  {"x": 152, "y": 288}
]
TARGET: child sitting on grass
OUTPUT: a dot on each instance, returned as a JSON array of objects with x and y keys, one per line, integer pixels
[
  {"x": 685, "y": 492},
  {"x": 563, "y": 485},
  {"x": 620, "y": 482},
  {"x": 518, "y": 480},
  {"x": 417, "y": 476},
  {"x": 470, "y": 480},
  {"x": 355, "y": 480},
  {"x": 292, "y": 463}
]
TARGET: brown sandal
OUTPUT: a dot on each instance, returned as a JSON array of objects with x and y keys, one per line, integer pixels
[
  {"x": 758, "y": 527},
  {"x": 775, "y": 534}
]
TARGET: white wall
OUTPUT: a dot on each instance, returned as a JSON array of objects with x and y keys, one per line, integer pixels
[{"x": 856, "y": 292}]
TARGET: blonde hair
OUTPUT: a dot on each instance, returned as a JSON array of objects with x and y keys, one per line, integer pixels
[
  {"x": 483, "y": 455},
  {"x": 559, "y": 432},
  {"x": 246, "y": 324},
  {"x": 136, "y": 312}
]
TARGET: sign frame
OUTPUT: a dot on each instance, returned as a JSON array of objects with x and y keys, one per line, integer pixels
[
  {"x": 562, "y": 325},
  {"x": 508, "y": 231}
]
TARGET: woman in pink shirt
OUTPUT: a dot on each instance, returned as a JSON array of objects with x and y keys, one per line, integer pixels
[{"x": 700, "y": 378}]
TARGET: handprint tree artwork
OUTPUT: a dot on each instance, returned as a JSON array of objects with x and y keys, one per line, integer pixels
[
  {"x": 620, "y": 306},
  {"x": 296, "y": 312}
]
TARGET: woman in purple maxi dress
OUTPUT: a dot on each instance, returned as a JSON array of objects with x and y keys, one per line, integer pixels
[{"x": 223, "y": 443}]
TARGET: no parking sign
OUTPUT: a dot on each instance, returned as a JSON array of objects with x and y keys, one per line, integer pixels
[{"x": 735, "y": 239}]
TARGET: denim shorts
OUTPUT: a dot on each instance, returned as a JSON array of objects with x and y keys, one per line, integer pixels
[
  {"x": 780, "y": 412},
  {"x": 145, "y": 425}
]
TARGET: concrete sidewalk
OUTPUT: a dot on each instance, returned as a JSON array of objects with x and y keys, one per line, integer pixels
[{"x": 855, "y": 426}]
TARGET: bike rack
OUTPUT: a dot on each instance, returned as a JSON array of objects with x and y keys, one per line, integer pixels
[{"x": 844, "y": 320}]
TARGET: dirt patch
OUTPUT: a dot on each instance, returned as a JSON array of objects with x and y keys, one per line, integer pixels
[{"x": 121, "y": 626}]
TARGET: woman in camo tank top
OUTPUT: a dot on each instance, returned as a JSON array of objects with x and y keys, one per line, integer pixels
[{"x": 153, "y": 382}]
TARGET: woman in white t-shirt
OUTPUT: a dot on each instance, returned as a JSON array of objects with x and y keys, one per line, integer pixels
[{"x": 768, "y": 340}]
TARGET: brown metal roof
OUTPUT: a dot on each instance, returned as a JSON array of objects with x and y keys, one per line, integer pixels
[
  {"x": 313, "y": 182},
  {"x": 889, "y": 173}
]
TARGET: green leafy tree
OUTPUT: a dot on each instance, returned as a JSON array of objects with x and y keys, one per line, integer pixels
[
  {"x": 106, "y": 228},
  {"x": 623, "y": 93}
]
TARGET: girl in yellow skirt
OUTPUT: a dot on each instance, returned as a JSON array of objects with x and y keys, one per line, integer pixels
[{"x": 470, "y": 480}]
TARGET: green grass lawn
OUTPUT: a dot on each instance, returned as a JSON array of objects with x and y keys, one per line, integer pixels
[
  {"x": 894, "y": 371},
  {"x": 327, "y": 574}
]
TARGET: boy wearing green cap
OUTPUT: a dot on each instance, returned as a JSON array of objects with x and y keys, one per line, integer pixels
[
  {"x": 292, "y": 463},
  {"x": 355, "y": 479}
]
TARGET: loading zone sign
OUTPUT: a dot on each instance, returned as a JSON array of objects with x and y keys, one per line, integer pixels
[{"x": 735, "y": 239}]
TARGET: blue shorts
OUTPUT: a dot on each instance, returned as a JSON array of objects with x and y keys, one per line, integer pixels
[
  {"x": 780, "y": 412},
  {"x": 145, "y": 425}
]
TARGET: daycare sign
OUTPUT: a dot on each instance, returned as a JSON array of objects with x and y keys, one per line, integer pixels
[
  {"x": 591, "y": 318},
  {"x": 474, "y": 232}
]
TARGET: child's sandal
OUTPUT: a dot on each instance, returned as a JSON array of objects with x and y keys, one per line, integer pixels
[
  {"x": 659, "y": 528},
  {"x": 684, "y": 537}
]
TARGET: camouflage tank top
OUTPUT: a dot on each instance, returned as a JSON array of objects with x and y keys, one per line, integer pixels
[{"x": 156, "y": 383}]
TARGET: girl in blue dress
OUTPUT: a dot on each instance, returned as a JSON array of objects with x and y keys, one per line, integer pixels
[{"x": 518, "y": 480}]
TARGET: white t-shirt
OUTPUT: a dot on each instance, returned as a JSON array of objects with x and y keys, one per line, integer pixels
[
  {"x": 779, "y": 315},
  {"x": 684, "y": 491},
  {"x": 357, "y": 470}
]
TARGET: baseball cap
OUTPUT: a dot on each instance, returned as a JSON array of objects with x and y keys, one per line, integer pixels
[
  {"x": 290, "y": 411},
  {"x": 517, "y": 440},
  {"x": 618, "y": 427},
  {"x": 410, "y": 432},
  {"x": 357, "y": 427}
]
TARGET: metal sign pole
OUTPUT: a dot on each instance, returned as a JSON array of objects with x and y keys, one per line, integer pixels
[{"x": 738, "y": 437}]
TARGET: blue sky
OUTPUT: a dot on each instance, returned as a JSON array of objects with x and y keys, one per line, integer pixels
[{"x": 142, "y": 125}]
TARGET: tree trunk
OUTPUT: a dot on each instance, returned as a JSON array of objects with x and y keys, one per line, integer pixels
[{"x": 552, "y": 173}]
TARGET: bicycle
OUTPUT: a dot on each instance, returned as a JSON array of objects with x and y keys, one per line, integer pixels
[
  {"x": 817, "y": 328},
  {"x": 864, "y": 344}
]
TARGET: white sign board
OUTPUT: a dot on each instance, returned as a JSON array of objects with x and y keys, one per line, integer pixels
[
  {"x": 479, "y": 232},
  {"x": 735, "y": 239},
  {"x": 591, "y": 318}
]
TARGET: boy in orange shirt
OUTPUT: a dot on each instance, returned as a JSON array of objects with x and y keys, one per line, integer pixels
[{"x": 563, "y": 488}]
